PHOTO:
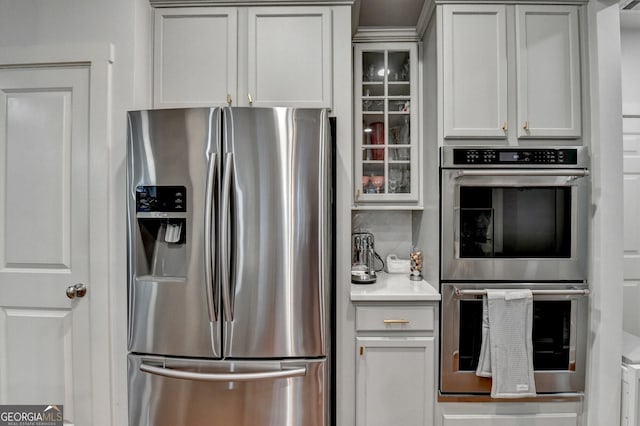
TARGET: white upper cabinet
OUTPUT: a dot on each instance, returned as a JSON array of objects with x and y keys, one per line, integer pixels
[
  {"x": 548, "y": 71},
  {"x": 260, "y": 56},
  {"x": 195, "y": 57},
  {"x": 510, "y": 72},
  {"x": 387, "y": 157},
  {"x": 289, "y": 56},
  {"x": 475, "y": 70}
]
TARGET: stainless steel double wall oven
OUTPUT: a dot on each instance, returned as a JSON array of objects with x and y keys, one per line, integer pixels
[{"x": 515, "y": 218}]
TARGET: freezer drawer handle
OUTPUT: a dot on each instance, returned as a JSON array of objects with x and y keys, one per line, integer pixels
[{"x": 285, "y": 373}]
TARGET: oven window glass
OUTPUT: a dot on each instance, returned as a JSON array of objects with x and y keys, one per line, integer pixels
[
  {"x": 551, "y": 334},
  {"x": 510, "y": 222}
]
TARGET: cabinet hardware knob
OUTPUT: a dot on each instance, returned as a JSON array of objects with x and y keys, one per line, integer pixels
[
  {"x": 526, "y": 126},
  {"x": 229, "y": 100},
  {"x": 361, "y": 350},
  {"x": 396, "y": 321},
  {"x": 250, "y": 98},
  {"x": 505, "y": 126},
  {"x": 77, "y": 290}
]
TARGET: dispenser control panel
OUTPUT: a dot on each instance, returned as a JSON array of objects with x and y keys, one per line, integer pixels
[{"x": 161, "y": 199}]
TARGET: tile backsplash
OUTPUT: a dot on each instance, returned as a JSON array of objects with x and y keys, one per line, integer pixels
[{"x": 391, "y": 230}]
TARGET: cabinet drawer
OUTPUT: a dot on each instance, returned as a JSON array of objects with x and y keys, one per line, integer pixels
[{"x": 395, "y": 318}]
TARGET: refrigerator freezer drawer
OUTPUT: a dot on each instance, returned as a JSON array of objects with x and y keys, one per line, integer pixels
[{"x": 176, "y": 392}]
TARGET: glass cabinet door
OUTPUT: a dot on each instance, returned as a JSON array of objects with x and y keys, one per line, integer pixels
[{"x": 386, "y": 146}]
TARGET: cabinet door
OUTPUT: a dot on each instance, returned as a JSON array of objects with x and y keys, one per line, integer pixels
[
  {"x": 387, "y": 150},
  {"x": 195, "y": 57},
  {"x": 556, "y": 419},
  {"x": 289, "y": 56},
  {"x": 548, "y": 71},
  {"x": 474, "y": 54},
  {"x": 395, "y": 381}
]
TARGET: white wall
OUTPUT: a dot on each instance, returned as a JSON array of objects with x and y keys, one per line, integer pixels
[
  {"x": 391, "y": 230},
  {"x": 605, "y": 277},
  {"x": 125, "y": 24}
]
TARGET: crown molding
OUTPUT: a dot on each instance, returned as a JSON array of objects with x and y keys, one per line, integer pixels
[
  {"x": 201, "y": 3},
  {"x": 426, "y": 14},
  {"x": 385, "y": 34}
]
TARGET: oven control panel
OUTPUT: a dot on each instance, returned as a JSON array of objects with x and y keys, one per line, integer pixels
[{"x": 506, "y": 156}]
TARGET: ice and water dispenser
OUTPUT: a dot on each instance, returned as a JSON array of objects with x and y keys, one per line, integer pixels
[{"x": 162, "y": 227}]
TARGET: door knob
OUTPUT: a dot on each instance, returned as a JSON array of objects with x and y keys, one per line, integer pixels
[{"x": 77, "y": 290}]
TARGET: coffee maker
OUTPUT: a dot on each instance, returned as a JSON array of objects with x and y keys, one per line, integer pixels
[{"x": 363, "y": 255}]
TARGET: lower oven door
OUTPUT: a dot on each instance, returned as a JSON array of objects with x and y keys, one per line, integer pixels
[{"x": 559, "y": 336}]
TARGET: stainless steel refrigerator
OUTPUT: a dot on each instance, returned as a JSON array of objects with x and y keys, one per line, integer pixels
[{"x": 229, "y": 235}]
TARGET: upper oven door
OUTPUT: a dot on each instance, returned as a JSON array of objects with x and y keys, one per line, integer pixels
[{"x": 514, "y": 224}]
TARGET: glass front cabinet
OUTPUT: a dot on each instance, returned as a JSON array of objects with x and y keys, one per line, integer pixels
[{"x": 387, "y": 154}]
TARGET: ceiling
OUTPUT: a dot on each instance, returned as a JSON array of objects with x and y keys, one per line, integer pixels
[
  {"x": 390, "y": 13},
  {"x": 405, "y": 13}
]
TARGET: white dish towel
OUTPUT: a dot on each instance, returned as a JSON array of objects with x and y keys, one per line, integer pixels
[{"x": 506, "y": 353}]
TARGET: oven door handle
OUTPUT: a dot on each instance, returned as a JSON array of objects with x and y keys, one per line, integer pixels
[
  {"x": 576, "y": 173},
  {"x": 569, "y": 292}
]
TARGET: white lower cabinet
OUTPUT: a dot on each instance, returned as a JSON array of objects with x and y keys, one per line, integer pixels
[
  {"x": 555, "y": 419},
  {"x": 394, "y": 381},
  {"x": 630, "y": 390},
  {"x": 395, "y": 365}
]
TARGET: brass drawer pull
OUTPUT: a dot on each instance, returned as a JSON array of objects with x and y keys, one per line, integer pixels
[{"x": 396, "y": 321}]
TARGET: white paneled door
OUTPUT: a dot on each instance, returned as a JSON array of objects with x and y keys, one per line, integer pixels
[
  {"x": 45, "y": 336},
  {"x": 631, "y": 147}
]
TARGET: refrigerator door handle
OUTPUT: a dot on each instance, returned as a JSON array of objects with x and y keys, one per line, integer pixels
[
  {"x": 208, "y": 246},
  {"x": 283, "y": 373},
  {"x": 224, "y": 237}
]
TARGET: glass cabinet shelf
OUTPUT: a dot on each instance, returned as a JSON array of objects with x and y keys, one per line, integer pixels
[{"x": 387, "y": 161}]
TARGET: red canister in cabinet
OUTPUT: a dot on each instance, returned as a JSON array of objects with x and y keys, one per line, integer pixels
[{"x": 377, "y": 138}]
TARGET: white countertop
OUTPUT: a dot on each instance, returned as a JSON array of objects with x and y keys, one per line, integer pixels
[{"x": 394, "y": 287}]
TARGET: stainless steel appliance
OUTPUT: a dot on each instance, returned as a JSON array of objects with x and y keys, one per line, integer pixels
[
  {"x": 514, "y": 214},
  {"x": 559, "y": 337},
  {"x": 514, "y": 218},
  {"x": 229, "y": 226},
  {"x": 363, "y": 258}
]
